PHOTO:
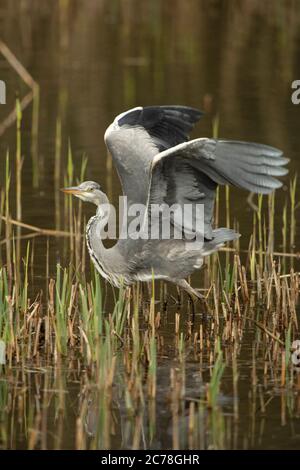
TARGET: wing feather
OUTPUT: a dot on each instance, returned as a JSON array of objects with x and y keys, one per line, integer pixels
[{"x": 190, "y": 172}]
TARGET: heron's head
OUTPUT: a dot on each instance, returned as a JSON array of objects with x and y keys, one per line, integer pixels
[{"x": 88, "y": 191}]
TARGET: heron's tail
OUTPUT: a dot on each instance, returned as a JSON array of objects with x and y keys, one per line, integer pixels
[{"x": 220, "y": 236}]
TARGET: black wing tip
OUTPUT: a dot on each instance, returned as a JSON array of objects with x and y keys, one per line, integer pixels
[
  {"x": 194, "y": 112},
  {"x": 132, "y": 116},
  {"x": 152, "y": 113},
  {"x": 189, "y": 111}
]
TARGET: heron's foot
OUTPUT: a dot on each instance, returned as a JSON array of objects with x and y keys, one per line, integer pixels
[
  {"x": 198, "y": 294},
  {"x": 172, "y": 299}
]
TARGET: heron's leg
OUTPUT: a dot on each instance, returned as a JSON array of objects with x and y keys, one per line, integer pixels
[{"x": 190, "y": 290}]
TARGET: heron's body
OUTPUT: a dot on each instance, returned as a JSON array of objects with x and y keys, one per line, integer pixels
[{"x": 158, "y": 165}]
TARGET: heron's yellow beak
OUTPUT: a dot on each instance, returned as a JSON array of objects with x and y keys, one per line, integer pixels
[{"x": 72, "y": 190}]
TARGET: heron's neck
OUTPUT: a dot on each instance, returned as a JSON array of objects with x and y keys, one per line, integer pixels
[
  {"x": 95, "y": 227},
  {"x": 94, "y": 237},
  {"x": 108, "y": 261},
  {"x": 102, "y": 214}
]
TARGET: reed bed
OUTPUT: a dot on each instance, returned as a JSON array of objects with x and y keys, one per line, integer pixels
[{"x": 127, "y": 367}]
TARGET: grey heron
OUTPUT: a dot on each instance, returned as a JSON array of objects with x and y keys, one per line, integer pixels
[{"x": 157, "y": 163}]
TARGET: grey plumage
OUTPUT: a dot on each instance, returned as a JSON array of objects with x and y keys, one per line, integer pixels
[{"x": 157, "y": 164}]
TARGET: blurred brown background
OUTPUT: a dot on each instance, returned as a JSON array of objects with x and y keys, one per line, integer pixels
[{"x": 96, "y": 58}]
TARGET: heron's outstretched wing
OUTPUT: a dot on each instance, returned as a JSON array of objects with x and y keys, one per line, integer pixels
[
  {"x": 136, "y": 136},
  {"x": 190, "y": 172}
]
